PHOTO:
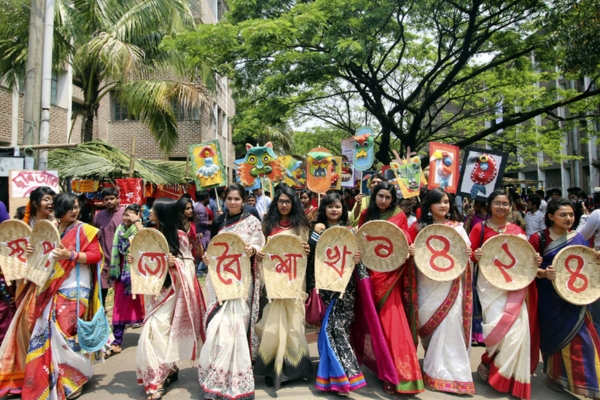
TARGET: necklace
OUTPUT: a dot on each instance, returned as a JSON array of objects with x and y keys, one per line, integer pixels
[
  {"x": 285, "y": 225},
  {"x": 497, "y": 229}
]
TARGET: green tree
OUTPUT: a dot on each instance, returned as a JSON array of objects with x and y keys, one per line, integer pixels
[
  {"x": 319, "y": 137},
  {"x": 424, "y": 69},
  {"x": 114, "y": 47}
]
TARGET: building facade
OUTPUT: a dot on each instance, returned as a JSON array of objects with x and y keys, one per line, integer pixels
[{"x": 113, "y": 124}]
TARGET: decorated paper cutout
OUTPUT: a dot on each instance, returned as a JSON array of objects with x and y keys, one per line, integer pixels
[
  {"x": 260, "y": 162},
  {"x": 444, "y": 166},
  {"x": 207, "y": 164},
  {"x": 410, "y": 176},
  {"x": 481, "y": 173},
  {"x": 294, "y": 168},
  {"x": 318, "y": 177},
  {"x": 336, "y": 173},
  {"x": 364, "y": 148}
]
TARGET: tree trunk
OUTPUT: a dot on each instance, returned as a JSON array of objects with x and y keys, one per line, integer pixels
[
  {"x": 384, "y": 154},
  {"x": 87, "y": 126}
]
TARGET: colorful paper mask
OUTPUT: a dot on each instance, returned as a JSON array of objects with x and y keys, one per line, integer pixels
[
  {"x": 294, "y": 173},
  {"x": 207, "y": 164},
  {"x": 484, "y": 172},
  {"x": 410, "y": 176},
  {"x": 260, "y": 162},
  {"x": 364, "y": 149},
  {"x": 444, "y": 164},
  {"x": 318, "y": 178}
]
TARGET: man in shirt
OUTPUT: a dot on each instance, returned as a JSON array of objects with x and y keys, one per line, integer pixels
[
  {"x": 589, "y": 228},
  {"x": 534, "y": 219},
  {"x": 107, "y": 221},
  {"x": 203, "y": 222},
  {"x": 262, "y": 202}
]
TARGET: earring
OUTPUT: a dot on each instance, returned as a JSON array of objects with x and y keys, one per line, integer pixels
[
  {"x": 429, "y": 213},
  {"x": 448, "y": 216}
]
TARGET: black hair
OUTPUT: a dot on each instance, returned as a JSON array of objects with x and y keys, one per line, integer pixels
[
  {"x": 329, "y": 199},
  {"x": 134, "y": 207},
  {"x": 493, "y": 195},
  {"x": 181, "y": 205},
  {"x": 553, "y": 206},
  {"x": 250, "y": 196},
  {"x": 109, "y": 192},
  {"x": 164, "y": 209},
  {"x": 186, "y": 196},
  {"x": 373, "y": 212},
  {"x": 435, "y": 196},
  {"x": 306, "y": 192},
  {"x": 236, "y": 187},
  {"x": 63, "y": 203},
  {"x": 36, "y": 196},
  {"x": 535, "y": 201},
  {"x": 297, "y": 217},
  {"x": 202, "y": 195},
  {"x": 150, "y": 201},
  {"x": 20, "y": 214},
  {"x": 379, "y": 175}
]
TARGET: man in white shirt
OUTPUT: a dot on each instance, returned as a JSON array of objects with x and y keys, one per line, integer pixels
[
  {"x": 534, "y": 219},
  {"x": 543, "y": 205},
  {"x": 262, "y": 202}
]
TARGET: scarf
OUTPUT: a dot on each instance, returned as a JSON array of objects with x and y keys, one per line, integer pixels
[{"x": 121, "y": 247}]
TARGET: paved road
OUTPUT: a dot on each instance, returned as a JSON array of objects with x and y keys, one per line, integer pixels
[{"x": 115, "y": 379}]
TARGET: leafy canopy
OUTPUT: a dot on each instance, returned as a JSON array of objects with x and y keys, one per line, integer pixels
[{"x": 423, "y": 69}]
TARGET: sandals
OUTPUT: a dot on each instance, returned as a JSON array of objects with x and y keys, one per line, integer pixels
[
  {"x": 389, "y": 388},
  {"x": 157, "y": 394},
  {"x": 75, "y": 394},
  {"x": 114, "y": 350},
  {"x": 483, "y": 371}
]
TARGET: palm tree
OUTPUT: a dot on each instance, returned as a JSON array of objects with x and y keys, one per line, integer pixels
[{"x": 114, "y": 47}]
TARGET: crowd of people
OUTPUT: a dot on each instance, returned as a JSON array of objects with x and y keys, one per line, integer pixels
[{"x": 378, "y": 322}]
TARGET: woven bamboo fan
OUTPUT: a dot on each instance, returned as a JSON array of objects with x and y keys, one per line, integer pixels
[
  {"x": 150, "y": 251},
  {"x": 508, "y": 262},
  {"x": 577, "y": 275},
  {"x": 14, "y": 236},
  {"x": 229, "y": 266},
  {"x": 383, "y": 246},
  {"x": 441, "y": 253},
  {"x": 284, "y": 267},
  {"x": 44, "y": 238},
  {"x": 334, "y": 259}
]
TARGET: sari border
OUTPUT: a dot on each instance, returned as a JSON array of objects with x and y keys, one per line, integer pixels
[
  {"x": 442, "y": 312},
  {"x": 445, "y": 385}
]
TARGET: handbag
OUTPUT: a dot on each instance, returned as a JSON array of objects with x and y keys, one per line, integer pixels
[
  {"x": 91, "y": 335},
  {"x": 315, "y": 309}
]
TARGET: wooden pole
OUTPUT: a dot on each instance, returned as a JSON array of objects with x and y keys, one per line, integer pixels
[
  {"x": 218, "y": 200},
  {"x": 132, "y": 158}
]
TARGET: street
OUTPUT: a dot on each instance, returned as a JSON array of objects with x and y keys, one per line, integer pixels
[{"x": 116, "y": 379}]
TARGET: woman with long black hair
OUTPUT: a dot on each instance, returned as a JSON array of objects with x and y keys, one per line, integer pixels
[
  {"x": 172, "y": 330},
  {"x": 445, "y": 307},
  {"x": 225, "y": 367},
  {"x": 283, "y": 357}
]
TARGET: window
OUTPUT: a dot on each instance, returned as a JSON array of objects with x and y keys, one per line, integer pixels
[
  {"x": 119, "y": 111},
  {"x": 221, "y": 8},
  {"x": 186, "y": 114},
  {"x": 54, "y": 89}
]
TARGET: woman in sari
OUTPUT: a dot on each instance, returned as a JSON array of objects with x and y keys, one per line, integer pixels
[
  {"x": 283, "y": 357},
  {"x": 172, "y": 330},
  {"x": 510, "y": 357},
  {"x": 306, "y": 197},
  {"x": 445, "y": 307},
  {"x": 126, "y": 309},
  {"x": 225, "y": 369},
  {"x": 13, "y": 351},
  {"x": 389, "y": 291},
  {"x": 569, "y": 342},
  {"x": 339, "y": 370},
  {"x": 187, "y": 217},
  {"x": 56, "y": 366}
]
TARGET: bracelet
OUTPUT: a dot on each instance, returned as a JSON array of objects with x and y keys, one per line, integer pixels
[{"x": 72, "y": 256}]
